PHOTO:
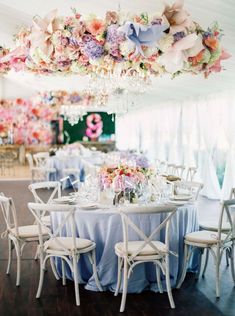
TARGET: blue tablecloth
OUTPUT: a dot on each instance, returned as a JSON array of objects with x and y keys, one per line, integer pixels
[
  {"x": 60, "y": 163},
  {"x": 104, "y": 227}
]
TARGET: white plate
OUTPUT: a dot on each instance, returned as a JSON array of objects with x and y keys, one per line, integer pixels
[
  {"x": 177, "y": 202},
  {"x": 88, "y": 206},
  {"x": 63, "y": 199},
  {"x": 181, "y": 197}
]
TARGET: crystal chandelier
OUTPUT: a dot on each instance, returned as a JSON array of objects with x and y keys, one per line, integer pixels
[{"x": 73, "y": 113}]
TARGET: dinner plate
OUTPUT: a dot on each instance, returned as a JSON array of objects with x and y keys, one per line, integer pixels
[
  {"x": 63, "y": 199},
  {"x": 181, "y": 197},
  {"x": 177, "y": 202},
  {"x": 88, "y": 206}
]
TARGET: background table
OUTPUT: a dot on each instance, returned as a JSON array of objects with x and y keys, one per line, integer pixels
[
  {"x": 60, "y": 163},
  {"x": 105, "y": 228}
]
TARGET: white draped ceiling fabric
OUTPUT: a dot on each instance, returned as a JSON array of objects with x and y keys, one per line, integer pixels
[{"x": 187, "y": 120}]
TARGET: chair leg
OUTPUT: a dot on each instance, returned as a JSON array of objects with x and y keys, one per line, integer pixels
[
  {"x": 217, "y": 268},
  {"x": 184, "y": 269},
  {"x": 75, "y": 278},
  {"x": 168, "y": 283},
  {"x": 9, "y": 255},
  {"x": 206, "y": 263},
  {"x": 158, "y": 275},
  {"x": 125, "y": 284},
  {"x": 227, "y": 258},
  {"x": 201, "y": 250},
  {"x": 41, "y": 279},
  {"x": 63, "y": 272},
  {"x": 37, "y": 253},
  {"x": 94, "y": 267},
  {"x": 53, "y": 268},
  {"x": 232, "y": 262},
  {"x": 18, "y": 257},
  {"x": 118, "y": 276}
]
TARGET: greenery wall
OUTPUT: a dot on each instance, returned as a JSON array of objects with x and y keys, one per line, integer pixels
[{"x": 78, "y": 131}]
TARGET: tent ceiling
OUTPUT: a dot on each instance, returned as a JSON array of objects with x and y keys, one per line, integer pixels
[{"x": 14, "y": 13}]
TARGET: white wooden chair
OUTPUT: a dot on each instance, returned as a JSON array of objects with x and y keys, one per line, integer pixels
[
  {"x": 55, "y": 189},
  {"x": 215, "y": 242},
  {"x": 69, "y": 249},
  {"x": 18, "y": 236},
  {"x": 171, "y": 169},
  {"x": 188, "y": 187},
  {"x": 41, "y": 159},
  {"x": 145, "y": 249},
  {"x": 212, "y": 225},
  {"x": 38, "y": 172},
  {"x": 191, "y": 173}
]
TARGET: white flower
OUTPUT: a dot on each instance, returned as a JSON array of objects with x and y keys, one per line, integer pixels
[
  {"x": 127, "y": 47},
  {"x": 165, "y": 42}
]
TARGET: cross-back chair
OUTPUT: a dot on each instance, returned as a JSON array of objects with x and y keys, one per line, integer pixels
[
  {"x": 191, "y": 173},
  {"x": 188, "y": 187},
  {"x": 18, "y": 236},
  {"x": 69, "y": 249},
  {"x": 212, "y": 225},
  {"x": 144, "y": 249},
  {"x": 216, "y": 243}
]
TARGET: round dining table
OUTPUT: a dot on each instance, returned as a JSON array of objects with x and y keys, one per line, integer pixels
[{"x": 104, "y": 226}]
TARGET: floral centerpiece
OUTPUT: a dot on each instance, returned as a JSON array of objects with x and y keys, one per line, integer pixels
[
  {"x": 146, "y": 44},
  {"x": 124, "y": 179}
]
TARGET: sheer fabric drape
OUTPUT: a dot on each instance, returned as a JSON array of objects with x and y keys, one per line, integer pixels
[{"x": 194, "y": 133}]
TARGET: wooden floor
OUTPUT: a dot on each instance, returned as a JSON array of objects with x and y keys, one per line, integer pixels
[{"x": 194, "y": 298}]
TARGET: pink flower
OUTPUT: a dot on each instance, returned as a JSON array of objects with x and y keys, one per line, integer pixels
[
  {"x": 217, "y": 66},
  {"x": 95, "y": 27},
  {"x": 177, "y": 17},
  {"x": 111, "y": 17}
]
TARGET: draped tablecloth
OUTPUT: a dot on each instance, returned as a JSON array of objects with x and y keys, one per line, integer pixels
[
  {"x": 105, "y": 228},
  {"x": 62, "y": 162}
]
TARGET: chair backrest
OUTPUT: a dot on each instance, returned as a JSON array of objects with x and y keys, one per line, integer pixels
[
  {"x": 191, "y": 173},
  {"x": 66, "y": 224},
  {"x": 128, "y": 223},
  {"x": 55, "y": 192},
  {"x": 171, "y": 169},
  {"x": 30, "y": 160},
  {"x": 179, "y": 171},
  {"x": 41, "y": 159},
  {"x": 9, "y": 213},
  {"x": 227, "y": 214},
  {"x": 188, "y": 187}
]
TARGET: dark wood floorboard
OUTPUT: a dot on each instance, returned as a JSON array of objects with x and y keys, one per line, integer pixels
[{"x": 194, "y": 298}]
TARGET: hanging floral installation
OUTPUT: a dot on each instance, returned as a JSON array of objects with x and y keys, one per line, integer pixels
[
  {"x": 28, "y": 120},
  {"x": 168, "y": 42}
]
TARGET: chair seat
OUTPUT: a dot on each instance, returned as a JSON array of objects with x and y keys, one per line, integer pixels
[
  {"x": 29, "y": 231},
  {"x": 203, "y": 237},
  {"x": 213, "y": 226},
  {"x": 135, "y": 245},
  {"x": 67, "y": 242}
]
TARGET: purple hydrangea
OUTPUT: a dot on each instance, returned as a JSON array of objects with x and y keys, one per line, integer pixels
[
  {"x": 93, "y": 49},
  {"x": 75, "y": 98},
  {"x": 178, "y": 36},
  {"x": 113, "y": 35}
]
